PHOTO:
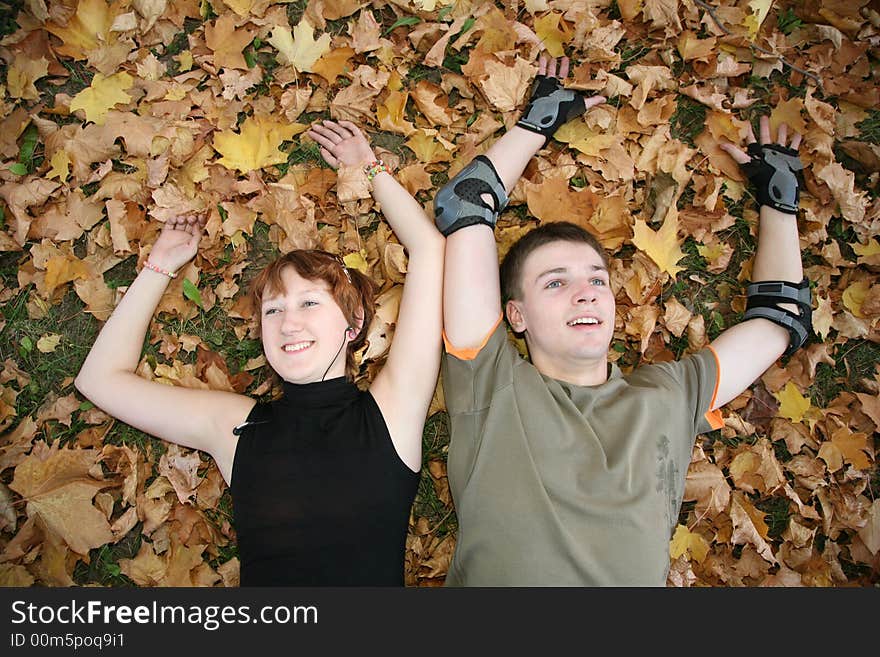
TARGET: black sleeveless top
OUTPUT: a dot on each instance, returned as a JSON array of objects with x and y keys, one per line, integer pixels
[{"x": 320, "y": 496}]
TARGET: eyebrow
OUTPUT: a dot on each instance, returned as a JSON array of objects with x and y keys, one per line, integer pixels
[
  {"x": 564, "y": 270},
  {"x": 277, "y": 295}
]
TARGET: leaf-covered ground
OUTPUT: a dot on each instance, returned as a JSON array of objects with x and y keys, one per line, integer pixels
[{"x": 118, "y": 115}]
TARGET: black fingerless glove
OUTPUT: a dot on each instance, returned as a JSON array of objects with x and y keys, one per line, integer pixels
[
  {"x": 773, "y": 172},
  {"x": 550, "y": 106}
]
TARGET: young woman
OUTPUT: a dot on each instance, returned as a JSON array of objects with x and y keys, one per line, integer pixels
[{"x": 322, "y": 479}]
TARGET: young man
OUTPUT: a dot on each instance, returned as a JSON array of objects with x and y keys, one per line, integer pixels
[{"x": 564, "y": 472}]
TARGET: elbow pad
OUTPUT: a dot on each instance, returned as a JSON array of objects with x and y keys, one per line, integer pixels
[
  {"x": 762, "y": 302},
  {"x": 460, "y": 202}
]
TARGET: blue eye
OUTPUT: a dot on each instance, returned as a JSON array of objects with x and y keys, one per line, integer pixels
[
  {"x": 553, "y": 284},
  {"x": 309, "y": 303},
  {"x": 271, "y": 311},
  {"x": 598, "y": 281}
]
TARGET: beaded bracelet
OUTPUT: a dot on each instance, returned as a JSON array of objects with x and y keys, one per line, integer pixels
[
  {"x": 374, "y": 168},
  {"x": 150, "y": 265}
]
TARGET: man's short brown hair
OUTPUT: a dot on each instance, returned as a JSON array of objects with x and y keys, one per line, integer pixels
[{"x": 554, "y": 231}]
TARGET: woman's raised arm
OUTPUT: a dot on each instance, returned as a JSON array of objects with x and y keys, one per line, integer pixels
[
  {"x": 405, "y": 386},
  {"x": 200, "y": 419}
]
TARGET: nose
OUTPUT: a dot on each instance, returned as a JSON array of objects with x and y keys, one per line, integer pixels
[
  {"x": 291, "y": 323},
  {"x": 584, "y": 293}
]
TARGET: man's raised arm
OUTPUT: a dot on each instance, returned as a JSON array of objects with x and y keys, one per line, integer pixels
[
  {"x": 467, "y": 207},
  {"x": 777, "y": 318}
]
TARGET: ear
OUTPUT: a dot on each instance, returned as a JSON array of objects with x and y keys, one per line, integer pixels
[
  {"x": 356, "y": 326},
  {"x": 515, "y": 317}
]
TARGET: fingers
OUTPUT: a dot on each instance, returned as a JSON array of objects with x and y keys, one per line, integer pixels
[
  {"x": 551, "y": 68},
  {"x": 750, "y": 137},
  {"x": 592, "y": 101},
  {"x": 563, "y": 67},
  {"x": 190, "y": 223},
  {"x": 542, "y": 65},
  {"x": 351, "y": 127},
  {"x": 782, "y": 134},
  {"x": 329, "y": 158},
  {"x": 795, "y": 141},
  {"x": 765, "y": 129},
  {"x": 736, "y": 153}
]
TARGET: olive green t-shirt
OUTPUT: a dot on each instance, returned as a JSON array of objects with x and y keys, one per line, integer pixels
[{"x": 562, "y": 485}]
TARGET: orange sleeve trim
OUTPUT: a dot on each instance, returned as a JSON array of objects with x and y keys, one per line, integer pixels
[
  {"x": 714, "y": 417},
  {"x": 469, "y": 354}
]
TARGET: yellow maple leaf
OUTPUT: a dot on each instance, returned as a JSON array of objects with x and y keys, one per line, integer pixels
[
  {"x": 300, "y": 49},
  {"x": 788, "y": 112},
  {"x": 357, "y": 260},
  {"x": 662, "y": 246},
  {"x": 711, "y": 252},
  {"x": 86, "y": 30},
  {"x": 103, "y": 95},
  {"x": 760, "y": 9},
  {"x": 854, "y": 297},
  {"x": 792, "y": 404},
  {"x": 428, "y": 149},
  {"x": 686, "y": 542},
  {"x": 578, "y": 135},
  {"x": 23, "y": 73},
  {"x": 60, "y": 162},
  {"x": 392, "y": 114},
  {"x": 551, "y": 34},
  {"x": 872, "y": 248},
  {"x": 257, "y": 145}
]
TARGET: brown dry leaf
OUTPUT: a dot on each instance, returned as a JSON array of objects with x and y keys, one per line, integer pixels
[
  {"x": 181, "y": 470},
  {"x": 706, "y": 485},
  {"x": 59, "y": 489},
  {"x": 381, "y": 330},
  {"x": 749, "y": 526},
  {"x": 506, "y": 86},
  {"x": 755, "y": 469},
  {"x": 553, "y": 200},
  {"x": 227, "y": 41}
]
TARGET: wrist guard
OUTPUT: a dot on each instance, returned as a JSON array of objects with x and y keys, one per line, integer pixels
[
  {"x": 460, "y": 202},
  {"x": 762, "y": 302},
  {"x": 550, "y": 106},
  {"x": 773, "y": 172}
]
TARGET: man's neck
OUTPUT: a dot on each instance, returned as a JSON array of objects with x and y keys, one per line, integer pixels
[{"x": 580, "y": 373}]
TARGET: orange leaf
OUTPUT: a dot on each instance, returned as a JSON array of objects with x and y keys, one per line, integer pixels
[{"x": 334, "y": 63}]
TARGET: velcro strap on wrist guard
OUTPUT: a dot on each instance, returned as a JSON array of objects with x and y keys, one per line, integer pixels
[
  {"x": 550, "y": 106},
  {"x": 460, "y": 202},
  {"x": 773, "y": 172},
  {"x": 763, "y": 298}
]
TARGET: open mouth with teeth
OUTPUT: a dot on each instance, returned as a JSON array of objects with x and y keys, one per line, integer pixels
[
  {"x": 296, "y": 347},
  {"x": 589, "y": 321}
]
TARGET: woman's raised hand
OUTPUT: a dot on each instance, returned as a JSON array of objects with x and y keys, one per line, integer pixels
[
  {"x": 178, "y": 242},
  {"x": 342, "y": 144}
]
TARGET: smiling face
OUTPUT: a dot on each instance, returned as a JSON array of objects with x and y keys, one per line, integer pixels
[
  {"x": 566, "y": 311},
  {"x": 303, "y": 330}
]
